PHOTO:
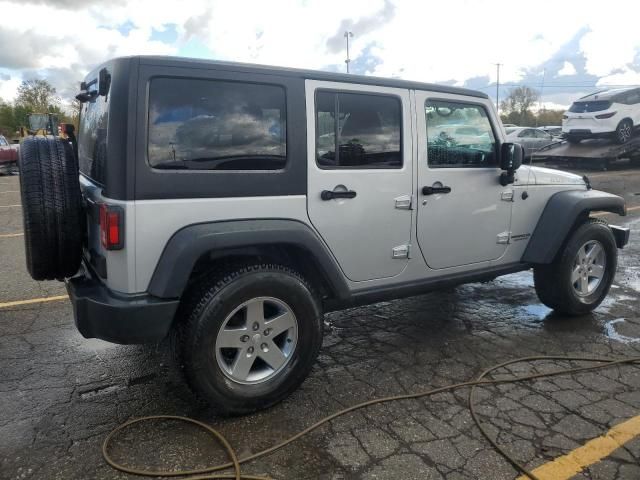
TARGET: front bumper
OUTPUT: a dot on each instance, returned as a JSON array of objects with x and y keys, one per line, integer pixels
[
  {"x": 621, "y": 234},
  {"x": 118, "y": 318}
]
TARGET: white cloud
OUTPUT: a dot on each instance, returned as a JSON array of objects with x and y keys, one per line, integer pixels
[
  {"x": 428, "y": 41},
  {"x": 567, "y": 69}
]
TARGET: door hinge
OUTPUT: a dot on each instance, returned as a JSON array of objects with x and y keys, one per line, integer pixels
[
  {"x": 507, "y": 196},
  {"x": 404, "y": 202},
  {"x": 504, "y": 238},
  {"x": 401, "y": 251}
]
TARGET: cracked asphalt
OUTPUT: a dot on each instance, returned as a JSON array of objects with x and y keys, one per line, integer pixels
[{"x": 61, "y": 394}]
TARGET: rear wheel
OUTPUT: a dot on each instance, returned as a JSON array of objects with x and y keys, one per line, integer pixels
[
  {"x": 573, "y": 140},
  {"x": 581, "y": 275},
  {"x": 250, "y": 337},
  {"x": 624, "y": 131},
  {"x": 51, "y": 208}
]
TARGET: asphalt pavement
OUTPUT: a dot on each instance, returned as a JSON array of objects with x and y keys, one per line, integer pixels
[{"x": 61, "y": 394}]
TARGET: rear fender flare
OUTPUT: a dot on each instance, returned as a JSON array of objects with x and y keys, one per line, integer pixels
[{"x": 190, "y": 243}]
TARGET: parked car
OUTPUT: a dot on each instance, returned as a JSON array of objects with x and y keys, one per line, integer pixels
[
  {"x": 532, "y": 139},
  {"x": 8, "y": 156},
  {"x": 231, "y": 205},
  {"x": 605, "y": 114},
  {"x": 554, "y": 130},
  {"x": 507, "y": 125}
]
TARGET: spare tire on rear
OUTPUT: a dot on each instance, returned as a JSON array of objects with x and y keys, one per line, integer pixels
[{"x": 51, "y": 208}]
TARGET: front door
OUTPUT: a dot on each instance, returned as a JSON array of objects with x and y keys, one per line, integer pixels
[
  {"x": 463, "y": 213},
  {"x": 359, "y": 175}
]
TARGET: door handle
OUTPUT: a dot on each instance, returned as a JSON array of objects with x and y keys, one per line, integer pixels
[
  {"x": 432, "y": 190},
  {"x": 330, "y": 195}
]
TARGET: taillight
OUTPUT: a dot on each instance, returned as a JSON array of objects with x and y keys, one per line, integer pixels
[
  {"x": 605, "y": 115},
  {"x": 111, "y": 227}
]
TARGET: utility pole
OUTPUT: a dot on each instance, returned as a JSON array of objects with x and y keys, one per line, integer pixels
[
  {"x": 348, "y": 34},
  {"x": 498, "y": 65},
  {"x": 544, "y": 74}
]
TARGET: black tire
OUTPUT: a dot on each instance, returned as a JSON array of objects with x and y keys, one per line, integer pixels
[
  {"x": 51, "y": 208},
  {"x": 203, "y": 314},
  {"x": 624, "y": 131},
  {"x": 573, "y": 140},
  {"x": 553, "y": 282}
]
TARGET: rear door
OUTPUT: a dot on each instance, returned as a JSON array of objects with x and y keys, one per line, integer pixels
[{"x": 360, "y": 175}]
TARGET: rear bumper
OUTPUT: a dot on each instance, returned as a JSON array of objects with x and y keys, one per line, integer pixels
[{"x": 126, "y": 319}]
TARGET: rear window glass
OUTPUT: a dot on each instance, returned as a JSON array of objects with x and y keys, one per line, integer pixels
[
  {"x": 92, "y": 138},
  {"x": 216, "y": 125},
  {"x": 355, "y": 130},
  {"x": 585, "y": 107}
]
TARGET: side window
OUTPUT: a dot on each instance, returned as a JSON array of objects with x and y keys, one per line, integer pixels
[
  {"x": 634, "y": 98},
  {"x": 216, "y": 125},
  {"x": 527, "y": 133},
  {"x": 459, "y": 135},
  {"x": 355, "y": 130},
  {"x": 540, "y": 134}
]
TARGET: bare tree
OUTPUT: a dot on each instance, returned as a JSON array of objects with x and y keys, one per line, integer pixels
[{"x": 516, "y": 108}]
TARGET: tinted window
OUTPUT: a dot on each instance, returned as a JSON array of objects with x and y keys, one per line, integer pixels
[
  {"x": 92, "y": 138},
  {"x": 365, "y": 128},
  {"x": 585, "y": 107},
  {"x": 216, "y": 125},
  {"x": 459, "y": 135}
]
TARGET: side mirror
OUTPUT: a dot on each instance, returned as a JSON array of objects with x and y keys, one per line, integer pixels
[{"x": 511, "y": 156}]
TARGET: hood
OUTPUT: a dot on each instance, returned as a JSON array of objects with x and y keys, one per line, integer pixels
[{"x": 547, "y": 176}]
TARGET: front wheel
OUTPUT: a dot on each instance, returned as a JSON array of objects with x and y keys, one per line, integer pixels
[
  {"x": 581, "y": 275},
  {"x": 250, "y": 337}
]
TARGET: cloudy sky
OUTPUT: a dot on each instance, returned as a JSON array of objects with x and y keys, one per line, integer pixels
[{"x": 570, "y": 47}]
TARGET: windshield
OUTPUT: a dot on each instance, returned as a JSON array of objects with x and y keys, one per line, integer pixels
[
  {"x": 45, "y": 122},
  {"x": 92, "y": 138}
]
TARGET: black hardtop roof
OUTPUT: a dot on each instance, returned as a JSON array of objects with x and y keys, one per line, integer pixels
[{"x": 170, "y": 61}]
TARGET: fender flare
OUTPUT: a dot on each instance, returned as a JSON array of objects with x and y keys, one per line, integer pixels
[
  {"x": 190, "y": 243},
  {"x": 559, "y": 216}
]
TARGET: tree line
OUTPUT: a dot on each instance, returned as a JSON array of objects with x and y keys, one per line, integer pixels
[
  {"x": 517, "y": 109},
  {"x": 33, "y": 96}
]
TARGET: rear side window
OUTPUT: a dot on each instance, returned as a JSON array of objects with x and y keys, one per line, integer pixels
[
  {"x": 216, "y": 125},
  {"x": 92, "y": 138},
  {"x": 355, "y": 130}
]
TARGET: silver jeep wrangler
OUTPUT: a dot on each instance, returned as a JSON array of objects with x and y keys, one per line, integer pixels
[{"x": 232, "y": 205}]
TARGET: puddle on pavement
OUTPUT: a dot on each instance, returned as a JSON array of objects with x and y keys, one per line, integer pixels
[
  {"x": 616, "y": 329},
  {"x": 538, "y": 311}
]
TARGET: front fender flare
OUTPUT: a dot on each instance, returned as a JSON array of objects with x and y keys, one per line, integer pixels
[
  {"x": 190, "y": 243},
  {"x": 559, "y": 217}
]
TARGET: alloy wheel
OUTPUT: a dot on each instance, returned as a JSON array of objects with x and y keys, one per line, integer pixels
[
  {"x": 257, "y": 340},
  {"x": 589, "y": 268}
]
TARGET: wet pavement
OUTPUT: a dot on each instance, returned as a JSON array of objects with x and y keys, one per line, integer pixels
[{"x": 60, "y": 394}]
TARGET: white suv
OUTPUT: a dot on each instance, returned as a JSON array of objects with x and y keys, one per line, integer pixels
[
  {"x": 609, "y": 113},
  {"x": 232, "y": 205}
]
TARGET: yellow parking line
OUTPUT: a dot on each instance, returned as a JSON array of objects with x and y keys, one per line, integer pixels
[
  {"x": 566, "y": 466},
  {"x": 30, "y": 301},
  {"x": 9, "y": 206},
  {"x": 10, "y": 235},
  {"x": 602, "y": 214}
]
